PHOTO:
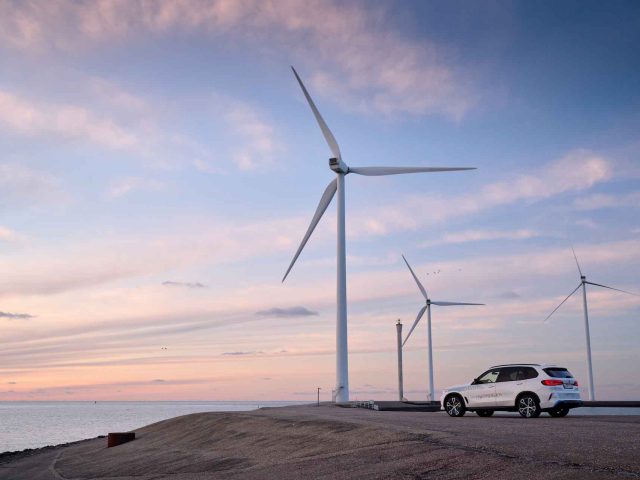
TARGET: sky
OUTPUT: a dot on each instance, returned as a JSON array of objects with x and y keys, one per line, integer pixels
[{"x": 159, "y": 166}]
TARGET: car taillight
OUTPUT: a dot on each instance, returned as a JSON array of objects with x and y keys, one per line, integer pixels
[
  {"x": 575, "y": 383},
  {"x": 552, "y": 383}
]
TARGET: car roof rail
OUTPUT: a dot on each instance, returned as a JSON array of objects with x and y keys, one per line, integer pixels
[{"x": 517, "y": 365}]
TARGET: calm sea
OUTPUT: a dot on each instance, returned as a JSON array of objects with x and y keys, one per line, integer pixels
[{"x": 38, "y": 424}]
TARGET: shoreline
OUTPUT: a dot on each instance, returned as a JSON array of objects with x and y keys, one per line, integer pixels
[
  {"x": 315, "y": 442},
  {"x": 11, "y": 455},
  {"x": 18, "y": 455}
]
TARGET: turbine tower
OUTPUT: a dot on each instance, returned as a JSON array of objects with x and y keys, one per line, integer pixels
[
  {"x": 583, "y": 284},
  {"x": 427, "y": 308},
  {"x": 341, "y": 169}
]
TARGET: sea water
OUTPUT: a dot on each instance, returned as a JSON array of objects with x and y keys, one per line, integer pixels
[{"x": 38, "y": 424}]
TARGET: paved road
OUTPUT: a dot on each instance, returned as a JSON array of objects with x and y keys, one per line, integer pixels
[{"x": 593, "y": 443}]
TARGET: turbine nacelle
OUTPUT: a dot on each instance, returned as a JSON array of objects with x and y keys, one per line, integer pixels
[{"x": 338, "y": 166}]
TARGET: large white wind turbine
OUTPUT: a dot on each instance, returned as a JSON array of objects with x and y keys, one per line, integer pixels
[
  {"x": 427, "y": 308},
  {"x": 583, "y": 284},
  {"x": 341, "y": 169}
]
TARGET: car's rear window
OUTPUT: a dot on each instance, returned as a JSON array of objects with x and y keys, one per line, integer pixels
[{"x": 558, "y": 372}]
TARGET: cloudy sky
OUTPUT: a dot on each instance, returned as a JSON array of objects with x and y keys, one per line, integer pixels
[{"x": 160, "y": 165}]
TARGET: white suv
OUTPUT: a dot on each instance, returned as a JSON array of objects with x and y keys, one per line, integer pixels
[{"x": 526, "y": 388}]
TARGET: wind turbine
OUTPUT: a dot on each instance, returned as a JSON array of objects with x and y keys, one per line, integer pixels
[
  {"x": 341, "y": 169},
  {"x": 583, "y": 284},
  {"x": 427, "y": 308}
]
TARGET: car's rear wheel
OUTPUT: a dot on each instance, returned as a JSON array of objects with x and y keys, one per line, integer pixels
[
  {"x": 559, "y": 412},
  {"x": 528, "y": 406},
  {"x": 484, "y": 413},
  {"x": 454, "y": 406}
]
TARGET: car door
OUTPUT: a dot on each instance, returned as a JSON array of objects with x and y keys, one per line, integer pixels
[
  {"x": 482, "y": 392},
  {"x": 507, "y": 386},
  {"x": 528, "y": 380}
]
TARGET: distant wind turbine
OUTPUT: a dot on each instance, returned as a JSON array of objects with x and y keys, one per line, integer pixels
[
  {"x": 583, "y": 283},
  {"x": 427, "y": 308},
  {"x": 341, "y": 169}
]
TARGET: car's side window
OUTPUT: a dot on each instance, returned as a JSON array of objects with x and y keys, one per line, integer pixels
[
  {"x": 527, "y": 373},
  {"x": 490, "y": 376},
  {"x": 508, "y": 374}
]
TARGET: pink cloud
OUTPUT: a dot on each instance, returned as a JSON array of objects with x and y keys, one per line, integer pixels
[
  {"x": 37, "y": 118},
  {"x": 357, "y": 58}
]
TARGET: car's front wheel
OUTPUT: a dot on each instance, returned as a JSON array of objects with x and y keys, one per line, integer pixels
[
  {"x": 559, "y": 412},
  {"x": 528, "y": 406},
  {"x": 454, "y": 406},
  {"x": 484, "y": 413}
]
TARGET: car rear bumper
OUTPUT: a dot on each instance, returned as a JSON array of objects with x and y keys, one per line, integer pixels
[
  {"x": 560, "y": 398},
  {"x": 565, "y": 404}
]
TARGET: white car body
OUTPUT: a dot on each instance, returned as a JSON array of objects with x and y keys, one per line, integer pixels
[{"x": 552, "y": 385}]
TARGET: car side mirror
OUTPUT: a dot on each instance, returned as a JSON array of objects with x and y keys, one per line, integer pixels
[{"x": 475, "y": 381}]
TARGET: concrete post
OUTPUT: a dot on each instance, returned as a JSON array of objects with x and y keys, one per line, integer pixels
[{"x": 400, "y": 386}]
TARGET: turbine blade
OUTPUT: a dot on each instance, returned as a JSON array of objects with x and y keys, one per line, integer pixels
[
  {"x": 611, "y": 288},
  {"x": 424, "y": 292},
  {"x": 420, "y": 313},
  {"x": 328, "y": 136},
  {"x": 561, "y": 303},
  {"x": 449, "y": 304},
  {"x": 325, "y": 200},
  {"x": 379, "y": 171},
  {"x": 576, "y": 257}
]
